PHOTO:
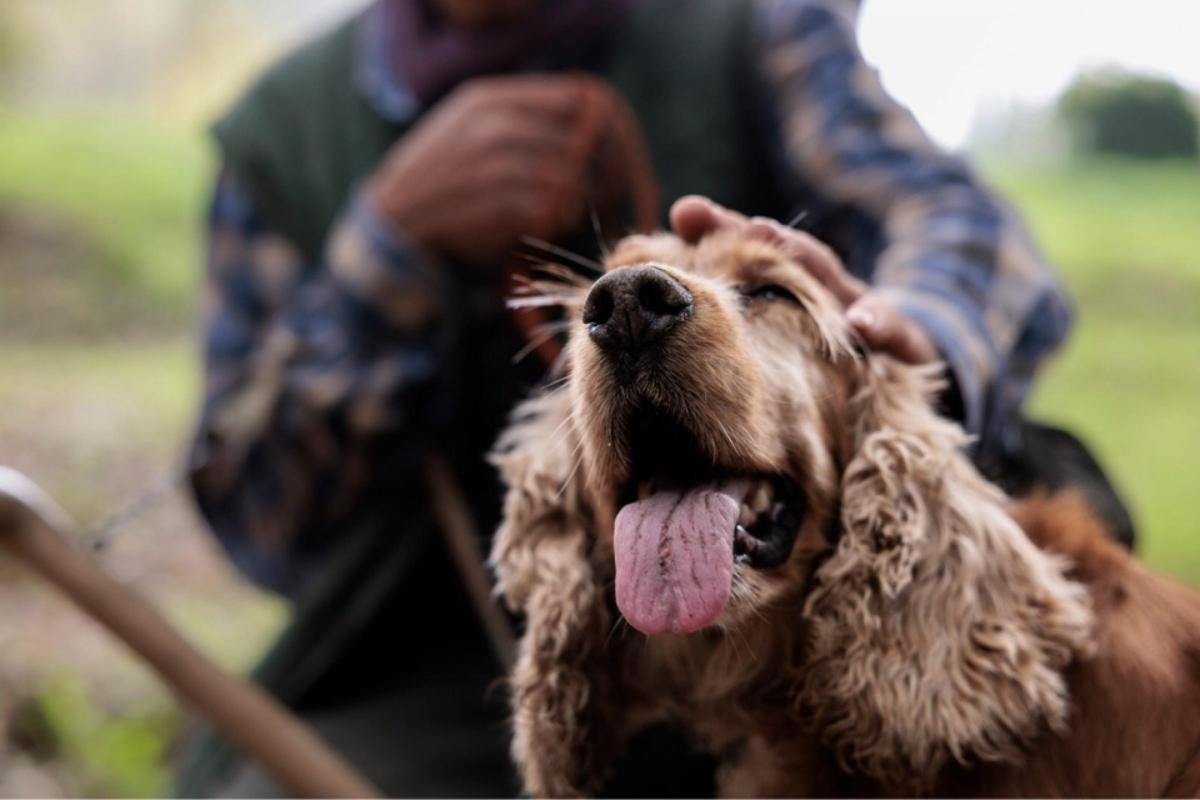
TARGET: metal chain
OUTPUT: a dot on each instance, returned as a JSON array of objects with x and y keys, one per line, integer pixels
[{"x": 102, "y": 534}]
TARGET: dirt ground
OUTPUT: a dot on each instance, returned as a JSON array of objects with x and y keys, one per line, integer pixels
[{"x": 96, "y": 407}]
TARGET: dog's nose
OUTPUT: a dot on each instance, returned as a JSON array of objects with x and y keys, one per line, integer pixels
[{"x": 634, "y": 307}]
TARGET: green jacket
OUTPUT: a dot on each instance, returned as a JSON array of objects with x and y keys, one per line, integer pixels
[{"x": 304, "y": 136}]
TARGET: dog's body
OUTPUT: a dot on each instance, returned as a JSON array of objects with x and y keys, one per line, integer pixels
[{"x": 825, "y": 593}]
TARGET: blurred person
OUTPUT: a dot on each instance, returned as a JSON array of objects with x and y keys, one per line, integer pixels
[{"x": 374, "y": 185}]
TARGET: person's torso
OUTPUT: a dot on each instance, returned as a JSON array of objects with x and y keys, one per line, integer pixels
[{"x": 304, "y": 137}]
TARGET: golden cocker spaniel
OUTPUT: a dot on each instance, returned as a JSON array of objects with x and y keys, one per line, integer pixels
[{"x": 731, "y": 516}]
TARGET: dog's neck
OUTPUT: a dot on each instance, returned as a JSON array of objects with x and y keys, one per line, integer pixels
[{"x": 722, "y": 683}]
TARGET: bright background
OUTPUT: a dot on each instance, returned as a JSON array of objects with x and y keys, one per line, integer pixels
[
  {"x": 960, "y": 65},
  {"x": 104, "y": 168}
]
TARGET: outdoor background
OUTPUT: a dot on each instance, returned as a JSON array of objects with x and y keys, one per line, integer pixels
[{"x": 104, "y": 168}]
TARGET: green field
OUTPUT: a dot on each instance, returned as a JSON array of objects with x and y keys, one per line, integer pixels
[{"x": 1126, "y": 236}]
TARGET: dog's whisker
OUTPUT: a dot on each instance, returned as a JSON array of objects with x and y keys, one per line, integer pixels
[
  {"x": 559, "y": 367},
  {"x": 538, "y": 262},
  {"x": 543, "y": 301},
  {"x": 595, "y": 218},
  {"x": 616, "y": 626},
  {"x": 561, "y": 273},
  {"x": 540, "y": 269},
  {"x": 575, "y": 258},
  {"x": 542, "y": 334},
  {"x": 731, "y": 636},
  {"x": 796, "y": 220},
  {"x": 577, "y": 449},
  {"x": 571, "y": 475},
  {"x": 741, "y": 634},
  {"x": 723, "y": 429},
  {"x": 567, "y": 420}
]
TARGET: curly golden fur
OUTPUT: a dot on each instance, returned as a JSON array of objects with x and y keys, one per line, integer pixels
[{"x": 916, "y": 639}]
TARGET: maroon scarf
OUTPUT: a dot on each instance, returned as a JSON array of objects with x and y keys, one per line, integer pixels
[{"x": 433, "y": 58}]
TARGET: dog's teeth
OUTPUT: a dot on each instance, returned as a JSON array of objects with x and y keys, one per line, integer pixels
[
  {"x": 747, "y": 516},
  {"x": 744, "y": 542},
  {"x": 761, "y": 499}
]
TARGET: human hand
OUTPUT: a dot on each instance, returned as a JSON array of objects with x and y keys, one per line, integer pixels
[
  {"x": 880, "y": 324},
  {"x": 494, "y": 160}
]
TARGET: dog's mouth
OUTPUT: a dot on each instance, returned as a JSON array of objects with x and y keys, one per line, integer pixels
[{"x": 685, "y": 522}]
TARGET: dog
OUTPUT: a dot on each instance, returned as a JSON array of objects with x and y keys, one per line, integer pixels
[{"x": 730, "y": 515}]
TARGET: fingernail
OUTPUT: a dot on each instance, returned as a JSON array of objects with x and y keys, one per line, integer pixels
[
  {"x": 759, "y": 227},
  {"x": 861, "y": 318}
]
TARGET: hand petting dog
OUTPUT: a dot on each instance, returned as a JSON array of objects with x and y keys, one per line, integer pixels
[{"x": 880, "y": 324}]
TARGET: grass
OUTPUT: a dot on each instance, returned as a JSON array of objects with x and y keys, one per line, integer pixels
[
  {"x": 1126, "y": 238},
  {"x": 90, "y": 420},
  {"x": 133, "y": 189},
  {"x": 122, "y": 756}
]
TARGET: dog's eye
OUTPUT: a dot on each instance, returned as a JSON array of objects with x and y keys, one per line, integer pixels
[{"x": 769, "y": 292}]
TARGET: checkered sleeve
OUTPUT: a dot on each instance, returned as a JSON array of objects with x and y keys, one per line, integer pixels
[
  {"x": 952, "y": 255},
  {"x": 321, "y": 380}
]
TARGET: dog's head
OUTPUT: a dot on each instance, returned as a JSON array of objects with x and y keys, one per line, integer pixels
[
  {"x": 732, "y": 437},
  {"x": 725, "y": 449},
  {"x": 710, "y": 389}
]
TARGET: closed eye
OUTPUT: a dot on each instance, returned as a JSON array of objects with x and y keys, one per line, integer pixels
[{"x": 769, "y": 292}]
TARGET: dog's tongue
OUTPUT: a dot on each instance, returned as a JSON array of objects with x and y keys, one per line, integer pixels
[{"x": 674, "y": 558}]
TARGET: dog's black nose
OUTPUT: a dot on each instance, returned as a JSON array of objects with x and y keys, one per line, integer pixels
[{"x": 634, "y": 307}]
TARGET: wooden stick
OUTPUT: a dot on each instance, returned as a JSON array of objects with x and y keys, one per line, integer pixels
[
  {"x": 458, "y": 531},
  {"x": 33, "y": 527}
]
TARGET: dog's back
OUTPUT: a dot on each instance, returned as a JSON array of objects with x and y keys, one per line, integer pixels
[
  {"x": 1134, "y": 729},
  {"x": 1135, "y": 725}
]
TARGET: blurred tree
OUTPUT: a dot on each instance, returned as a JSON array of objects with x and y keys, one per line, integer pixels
[
  {"x": 1130, "y": 115},
  {"x": 14, "y": 47}
]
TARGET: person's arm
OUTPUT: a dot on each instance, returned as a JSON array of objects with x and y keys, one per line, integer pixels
[
  {"x": 955, "y": 259},
  {"x": 322, "y": 381}
]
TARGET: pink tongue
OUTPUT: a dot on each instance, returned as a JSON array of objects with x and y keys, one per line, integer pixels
[{"x": 674, "y": 558}]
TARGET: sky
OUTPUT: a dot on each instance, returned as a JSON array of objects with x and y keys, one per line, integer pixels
[{"x": 952, "y": 60}]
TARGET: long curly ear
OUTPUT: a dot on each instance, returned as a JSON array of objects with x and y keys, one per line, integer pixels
[
  {"x": 938, "y": 630},
  {"x": 563, "y": 732},
  {"x": 543, "y": 503}
]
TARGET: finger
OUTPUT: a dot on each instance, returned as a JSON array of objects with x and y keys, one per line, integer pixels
[
  {"x": 812, "y": 254},
  {"x": 539, "y": 199},
  {"x": 555, "y": 97},
  {"x": 521, "y": 213},
  {"x": 563, "y": 191},
  {"x": 522, "y": 133},
  {"x": 507, "y": 170},
  {"x": 693, "y": 217},
  {"x": 886, "y": 328}
]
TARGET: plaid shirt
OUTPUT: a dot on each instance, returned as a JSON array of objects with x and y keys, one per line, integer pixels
[{"x": 323, "y": 378}]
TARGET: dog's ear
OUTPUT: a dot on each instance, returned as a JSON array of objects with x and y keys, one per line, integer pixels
[
  {"x": 543, "y": 503},
  {"x": 938, "y": 630},
  {"x": 563, "y": 736}
]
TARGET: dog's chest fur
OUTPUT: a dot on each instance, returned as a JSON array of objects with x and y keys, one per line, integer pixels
[{"x": 722, "y": 686}]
